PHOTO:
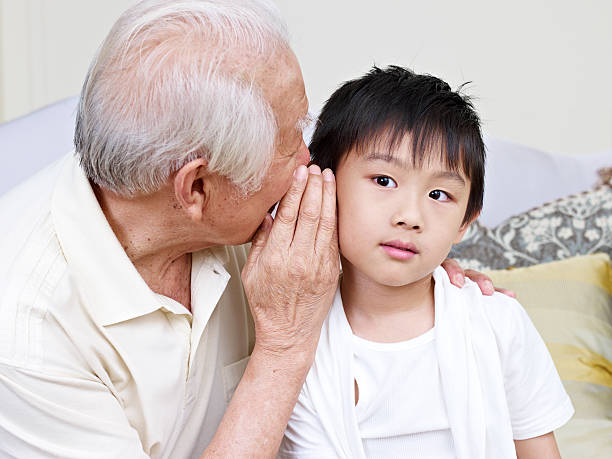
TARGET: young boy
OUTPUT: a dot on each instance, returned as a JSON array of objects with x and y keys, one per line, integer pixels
[{"x": 409, "y": 365}]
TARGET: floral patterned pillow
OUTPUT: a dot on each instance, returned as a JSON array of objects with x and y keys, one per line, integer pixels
[{"x": 575, "y": 225}]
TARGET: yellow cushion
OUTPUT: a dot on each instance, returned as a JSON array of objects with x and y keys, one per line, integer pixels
[{"x": 570, "y": 303}]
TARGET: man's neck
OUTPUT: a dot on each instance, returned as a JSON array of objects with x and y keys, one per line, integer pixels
[
  {"x": 158, "y": 250},
  {"x": 387, "y": 314}
]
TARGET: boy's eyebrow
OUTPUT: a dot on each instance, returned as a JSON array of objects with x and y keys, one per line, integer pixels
[
  {"x": 386, "y": 158},
  {"x": 448, "y": 175}
]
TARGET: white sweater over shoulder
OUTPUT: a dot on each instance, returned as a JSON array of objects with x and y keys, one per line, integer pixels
[{"x": 497, "y": 381}]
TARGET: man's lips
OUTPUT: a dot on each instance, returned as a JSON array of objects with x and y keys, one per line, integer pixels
[{"x": 400, "y": 250}]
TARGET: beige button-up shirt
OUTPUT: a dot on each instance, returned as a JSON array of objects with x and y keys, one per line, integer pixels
[{"x": 93, "y": 364}]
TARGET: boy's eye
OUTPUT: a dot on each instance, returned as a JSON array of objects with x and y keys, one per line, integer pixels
[
  {"x": 384, "y": 181},
  {"x": 439, "y": 195}
]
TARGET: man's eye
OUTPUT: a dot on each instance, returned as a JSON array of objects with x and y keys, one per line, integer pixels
[
  {"x": 439, "y": 195},
  {"x": 384, "y": 181}
]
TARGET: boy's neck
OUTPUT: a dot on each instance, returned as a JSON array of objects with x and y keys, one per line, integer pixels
[{"x": 387, "y": 314}]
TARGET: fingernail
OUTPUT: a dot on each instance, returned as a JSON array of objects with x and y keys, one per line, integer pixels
[
  {"x": 459, "y": 279},
  {"x": 300, "y": 173},
  {"x": 315, "y": 170},
  {"x": 328, "y": 175}
]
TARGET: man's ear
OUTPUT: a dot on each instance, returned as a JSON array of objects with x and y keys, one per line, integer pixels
[
  {"x": 464, "y": 228},
  {"x": 192, "y": 188}
]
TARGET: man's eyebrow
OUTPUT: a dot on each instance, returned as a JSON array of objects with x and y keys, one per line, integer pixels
[{"x": 447, "y": 175}]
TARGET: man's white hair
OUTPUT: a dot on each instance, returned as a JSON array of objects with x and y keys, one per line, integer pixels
[{"x": 158, "y": 95}]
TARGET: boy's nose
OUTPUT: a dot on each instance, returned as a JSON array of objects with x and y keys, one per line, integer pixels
[
  {"x": 409, "y": 219},
  {"x": 414, "y": 226}
]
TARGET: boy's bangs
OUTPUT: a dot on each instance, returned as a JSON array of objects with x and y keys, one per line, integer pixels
[
  {"x": 427, "y": 145},
  {"x": 384, "y": 107}
]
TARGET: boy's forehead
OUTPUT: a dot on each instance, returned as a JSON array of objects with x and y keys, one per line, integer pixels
[
  {"x": 400, "y": 148},
  {"x": 407, "y": 154}
]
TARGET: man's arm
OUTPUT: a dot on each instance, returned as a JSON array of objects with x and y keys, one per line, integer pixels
[
  {"x": 542, "y": 447},
  {"x": 290, "y": 278}
]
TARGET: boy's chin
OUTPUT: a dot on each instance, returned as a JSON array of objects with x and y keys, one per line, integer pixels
[
  {"x": 397, "y": 279},
  {"x": 386, "y": 275}
]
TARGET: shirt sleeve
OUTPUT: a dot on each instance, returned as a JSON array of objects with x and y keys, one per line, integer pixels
[
  {"x": 305, "y": 437},
  {"x": 537, "y": 401},
  {"x": 46, "y": 415}
]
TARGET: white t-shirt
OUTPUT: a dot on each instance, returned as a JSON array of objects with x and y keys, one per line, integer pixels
[
  {"x": 497, "y": 384},
  {"x": 395, "y": 379}
]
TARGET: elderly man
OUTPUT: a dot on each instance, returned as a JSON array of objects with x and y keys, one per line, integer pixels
[{"x": 124, "y": 326}]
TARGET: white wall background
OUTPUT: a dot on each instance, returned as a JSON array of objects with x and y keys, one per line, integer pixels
[
  {"x": 45, "y": 49},
  {"x": 541, "y": 69}
]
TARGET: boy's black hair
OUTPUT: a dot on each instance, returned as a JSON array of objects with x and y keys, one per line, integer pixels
[{"x": 385, "y": 105}]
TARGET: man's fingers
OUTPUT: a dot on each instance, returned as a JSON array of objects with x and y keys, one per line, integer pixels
[
  {"x": 327, "y": 222},
  {"x": 283, "y": 228},
  {"x": 258, "y": 242},
  {"x": 310, "y": 210},
  {"x": 484, "y": 282},
  {"x": 457, "y": 277},
  {"x": 454, "y": 271},
  {"x": 507, "y": 292}
]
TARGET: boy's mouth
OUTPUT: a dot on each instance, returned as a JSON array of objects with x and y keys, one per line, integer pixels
[
  {"x": 399, "y": 250},
  {"x": 405, "y": 246}
]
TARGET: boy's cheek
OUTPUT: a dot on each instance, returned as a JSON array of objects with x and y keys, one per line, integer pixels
[
  {"x": 344, "y": 239},
  {"x": 349, "y": 235},
  {"x": 350, "y": 224}
]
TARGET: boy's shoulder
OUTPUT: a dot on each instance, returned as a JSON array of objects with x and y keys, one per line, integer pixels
[
  {"x": 472, "y": 296},
  {"x": 496, "y": 320},
  {"x": 499, "y": 306},
  {"x": 506, "y": 317},
  {"x": 497, "y": 300},
  {"x": 502, "y": 313}
]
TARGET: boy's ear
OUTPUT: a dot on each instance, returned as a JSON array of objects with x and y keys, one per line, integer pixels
[
  {"x": 464, "y": 228},
  {"x": 192, "y": 188}
]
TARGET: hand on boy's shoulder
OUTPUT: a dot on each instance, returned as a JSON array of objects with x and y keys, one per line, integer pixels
[{"x": 458, "y": 275}]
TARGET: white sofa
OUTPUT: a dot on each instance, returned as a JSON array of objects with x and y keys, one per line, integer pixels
[{"x": 33, "y": 141}]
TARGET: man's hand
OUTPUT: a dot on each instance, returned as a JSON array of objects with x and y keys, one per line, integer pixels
[
  {"x": 457, "y": 277},
  {"x": 290, "y": 278},
  {"x": 292, "y": 271}
]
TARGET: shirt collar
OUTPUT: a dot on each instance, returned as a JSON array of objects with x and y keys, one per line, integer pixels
[{"x": 107, "y": 281}]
